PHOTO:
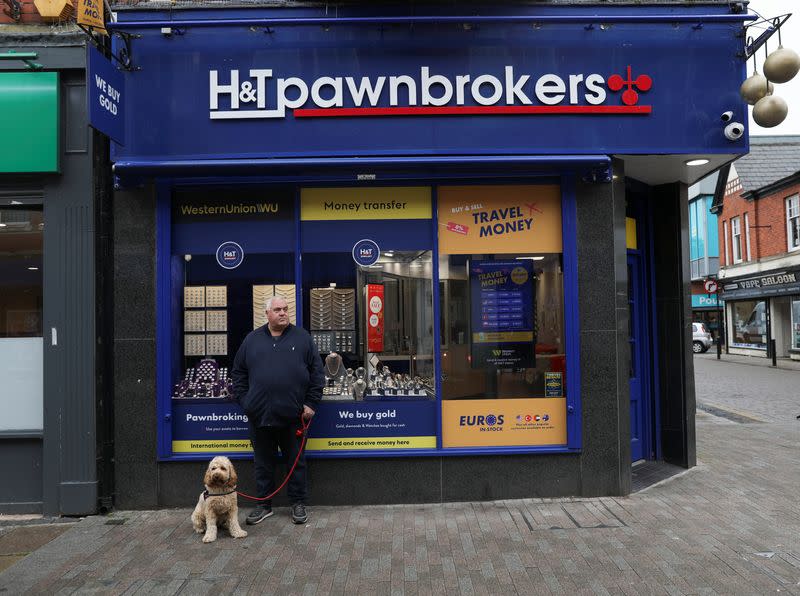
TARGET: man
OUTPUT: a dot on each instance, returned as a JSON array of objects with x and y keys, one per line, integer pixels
[{"x": 277, "y": 378}]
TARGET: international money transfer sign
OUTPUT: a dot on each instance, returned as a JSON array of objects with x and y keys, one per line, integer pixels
[
  {"x": 106, "y": 96},
  {"x": 503, "y": 307}
]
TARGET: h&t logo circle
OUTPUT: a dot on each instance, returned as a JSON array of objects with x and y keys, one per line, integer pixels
[
  {"x": 366, "y": 252},
  {"x": 229, "y": 255}
]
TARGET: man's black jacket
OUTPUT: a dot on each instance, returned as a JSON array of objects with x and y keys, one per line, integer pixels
[{"x": 274, "y": 377}]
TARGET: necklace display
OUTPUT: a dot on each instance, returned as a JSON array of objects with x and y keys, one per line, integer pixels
[{"x": 333, "y": 364}]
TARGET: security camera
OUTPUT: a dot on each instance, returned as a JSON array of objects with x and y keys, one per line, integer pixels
[
  {"x": 726, "y": 116},
  {"x": 734, "y": 131}
]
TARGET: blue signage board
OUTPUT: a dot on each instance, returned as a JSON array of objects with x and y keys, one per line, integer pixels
[
  {"x": 366, "y": 252},
  {"x": 499, "y": 88},
  {"x": 376, "y": 425},
  {"x": 502, "y": 313},
  {"x": 230, "y": 255},
  {"x": 105, "y": 95},
  {"x": 704, "y": 301},
  {"x": 201, "y": 426}
]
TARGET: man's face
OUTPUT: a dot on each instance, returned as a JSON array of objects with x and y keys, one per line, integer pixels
[{"x": 278, "y": 314}]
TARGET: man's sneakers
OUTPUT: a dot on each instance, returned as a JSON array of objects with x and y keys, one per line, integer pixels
[
  {"x": 259, "y": 514},
  {"x": 262, "y": 512},
  {"x": 299, "y": 514}
]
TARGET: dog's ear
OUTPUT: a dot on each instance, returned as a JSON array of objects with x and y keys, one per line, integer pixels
[
  {"x": 207, "y": 480},
  {"x": 234, "y": 478}
]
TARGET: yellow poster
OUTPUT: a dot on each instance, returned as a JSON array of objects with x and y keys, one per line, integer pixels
[
  {"x": 90, "y": 14},
  {"x": 411, "y": 202},
  {"x": 499, "y": 219},
  {"x": 504, "y": 422}
]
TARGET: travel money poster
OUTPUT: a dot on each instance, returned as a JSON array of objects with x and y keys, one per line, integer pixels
[
  {"x": 502, "y": 309},
  {"x": 512, "y": 220}
]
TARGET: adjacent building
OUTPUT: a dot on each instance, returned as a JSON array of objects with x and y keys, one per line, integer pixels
[
  {"x": 54, "y": 254},
  {"x": 704, "y": 252},
  {"x": 759, "y": 228}
]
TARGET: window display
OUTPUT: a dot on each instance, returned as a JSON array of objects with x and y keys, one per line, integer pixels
[
  {"x": 386, "y": 353},
  {"x": 503, "y": 335},
  {"x": 749, "y": 324},
  {"x": 366, "y": 296},
  {"x": 216, "y": 306},
  {"x": 795, "y": 324}
]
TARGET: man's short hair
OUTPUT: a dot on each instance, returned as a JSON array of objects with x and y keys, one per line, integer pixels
[{"x": 269, "y": 303}]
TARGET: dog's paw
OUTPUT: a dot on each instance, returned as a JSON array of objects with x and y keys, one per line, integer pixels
[
  {"x": 208, "y": 538},
  {"x": 200, "y": 530},
  {"x": 239, "y": 534}
]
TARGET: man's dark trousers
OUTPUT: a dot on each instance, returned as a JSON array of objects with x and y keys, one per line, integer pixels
[{"x": 266, "y": 440}]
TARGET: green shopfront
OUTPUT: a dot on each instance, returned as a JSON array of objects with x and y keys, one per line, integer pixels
[{"x": 51, "y": 343}]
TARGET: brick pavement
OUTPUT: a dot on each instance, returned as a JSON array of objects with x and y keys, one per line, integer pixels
[{"x": 729, "y": 526}]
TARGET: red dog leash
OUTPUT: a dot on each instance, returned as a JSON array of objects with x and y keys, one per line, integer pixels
[{"x": 300, "y": 432}]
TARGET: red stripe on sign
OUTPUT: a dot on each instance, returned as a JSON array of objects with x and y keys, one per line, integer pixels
[{"x": 469, "y": 111}]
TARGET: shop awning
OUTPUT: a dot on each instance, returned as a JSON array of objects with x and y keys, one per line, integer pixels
[{"x": 597, "y": 167}]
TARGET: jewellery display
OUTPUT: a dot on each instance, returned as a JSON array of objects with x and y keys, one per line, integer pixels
[
  {"x": 216, "y": 320},
  {"x": 353, "y": 384},
  {"x": 206, "y": 380},
  {"x": 260, "y": 296},
  {"x": 334, "y": 368},
  {"x": 359, "y": 389},
  {"x": 216, "y": 296},
  {"x": 333, "y": 312},
  {"x": 194, "y": 345},
  {"x": 321, "y": 309},
  {"x": 194, "y": 297},
  {"x": 217, "y": 344},
  {"x": 194, "y": 320},
  {"x": 343, "y": 307}
]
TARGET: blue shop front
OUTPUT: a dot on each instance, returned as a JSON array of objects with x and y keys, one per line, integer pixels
[{"x": 481, "y": 221}]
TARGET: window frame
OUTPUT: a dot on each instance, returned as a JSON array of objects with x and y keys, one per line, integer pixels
[
  {"x": 747, "y": 235},
  {"x": 736, "y": 239},
  {"x": 792, "y": 204},
  {"x": 164, "y": 324},
  {"x": 727, "y": 246}
]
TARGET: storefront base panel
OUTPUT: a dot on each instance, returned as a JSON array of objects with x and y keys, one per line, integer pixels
[
  {"x": 24, "y": 456},
  {"x": 390, "y": 481}
]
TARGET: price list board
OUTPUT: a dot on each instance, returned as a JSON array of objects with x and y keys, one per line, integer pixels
[{"x": 503, "y": 312}]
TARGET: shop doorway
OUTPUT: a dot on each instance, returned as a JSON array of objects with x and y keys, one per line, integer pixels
[{"x": 639, "y": 359}]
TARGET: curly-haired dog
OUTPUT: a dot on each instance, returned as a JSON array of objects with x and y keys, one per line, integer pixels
[{"x": 217, "y": 505}]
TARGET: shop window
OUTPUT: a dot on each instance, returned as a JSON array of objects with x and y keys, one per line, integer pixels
[
  {"x": 368, "y": 304},
  {"x": 502, "y": 334},
  {"x": 736, "y": 239},
  {"x": 796, "y": 324},
  {"x": 793, "y": 222},
  {"x": 372, "y": 323},
  {"x": 232, "y": 249},
  {"x": 749, "y": 324},
  {"x": 21, "y": 275}
]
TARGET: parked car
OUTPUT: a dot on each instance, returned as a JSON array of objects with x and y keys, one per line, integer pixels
[{"x": 701, "y": 338}]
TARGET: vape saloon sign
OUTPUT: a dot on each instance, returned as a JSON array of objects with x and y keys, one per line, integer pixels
[{"x": 262, "y": 93}]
